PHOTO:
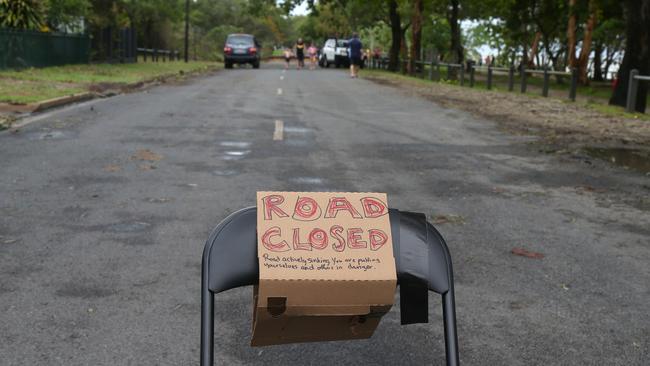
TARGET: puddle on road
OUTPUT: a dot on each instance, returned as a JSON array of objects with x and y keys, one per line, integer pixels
[
  {"x": 290, "y": 129},
  {"x": 130, "y": 227},
  {"x": 225, "y": 172},
  {"x": 237, "y": 153},
  {"x": 235, "y": 144},
  {"x": 307, "y": 180},
  {"x": 628, "y": 158},
  {"x": 50, "y": 135}
]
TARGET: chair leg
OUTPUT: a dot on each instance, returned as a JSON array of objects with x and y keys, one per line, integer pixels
[
  {"x": 207, "y": 326},
  {"x": 449, "y": 317}
]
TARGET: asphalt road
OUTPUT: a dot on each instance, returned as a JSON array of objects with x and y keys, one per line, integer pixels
[{"x": 105, "y": 207}]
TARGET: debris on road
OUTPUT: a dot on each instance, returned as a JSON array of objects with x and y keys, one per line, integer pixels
[
  {"x": 112, "y": 168},
  {"x": 159, "y": 200},
  {"x": 146, "y": 155},
  {"x": 6, "y": 121},
  {"x": 8, "y": 240},
  {"x": 525, "y": 253},
  {"x": 146, "y": 167},
  {"x": 448, "y": 219}
]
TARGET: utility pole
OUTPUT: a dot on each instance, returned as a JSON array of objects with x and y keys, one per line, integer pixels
[{"x": 187, "y": 28}]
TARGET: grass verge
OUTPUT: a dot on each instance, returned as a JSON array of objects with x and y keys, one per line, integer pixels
[
  {"x": 556, "y": 120},
  {"x": 35, "y": 85}
]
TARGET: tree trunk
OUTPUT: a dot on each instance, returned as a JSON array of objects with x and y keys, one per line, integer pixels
[
  {"x": 637, "y": 53},
  {"x": 396, "y": 34},
  {"x": 456, "y": 45},
  {"x": 534, "y": 49},
  {"x": 598, "y": 62},
  {"x": 403, "y": 50},
  {"x": 416, "y": 34},
  {"x": 571, "y": 34},
  {"x": 524, "y": 55},
  {"x": 583, "y": 61},
  {"x": 609, "y": 60}
]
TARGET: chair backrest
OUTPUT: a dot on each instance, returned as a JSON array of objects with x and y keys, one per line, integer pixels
[{"x": 421, "y": 256}]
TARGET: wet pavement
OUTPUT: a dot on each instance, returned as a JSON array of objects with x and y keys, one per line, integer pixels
[
  {"x": 104, "y": 212},
  {"x": 634, "y": 159}
]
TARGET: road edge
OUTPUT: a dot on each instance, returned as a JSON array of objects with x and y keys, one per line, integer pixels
[{"x": 33, "y": 109}]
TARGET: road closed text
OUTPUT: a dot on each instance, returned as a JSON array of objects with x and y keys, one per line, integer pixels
[{"x": 325, "y": 231}]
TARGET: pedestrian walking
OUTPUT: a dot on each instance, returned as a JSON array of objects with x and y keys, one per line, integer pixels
[
  {"x": 300, "y": 53},
  {"x": 287, "y": 58},
  {"x": 355, "y": 46},
  {"x": 313, "y": 56}
]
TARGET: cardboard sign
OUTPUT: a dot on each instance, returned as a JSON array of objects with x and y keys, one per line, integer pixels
[{"x": 326, "y": 265}]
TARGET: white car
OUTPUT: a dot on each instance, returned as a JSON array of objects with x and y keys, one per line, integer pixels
[{"x": 335, "y": 51}]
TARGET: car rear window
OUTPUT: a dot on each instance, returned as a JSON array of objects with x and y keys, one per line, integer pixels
[
  {"x": 342, "y": 43},
  {"x": 239, "y": 40}
]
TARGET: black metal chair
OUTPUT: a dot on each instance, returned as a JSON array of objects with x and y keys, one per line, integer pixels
[{"x": 421, "y": 257}]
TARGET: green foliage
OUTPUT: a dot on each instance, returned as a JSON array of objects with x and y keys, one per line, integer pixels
[
  {"x": 66, "y": 14},
  {"x": 50, "y": 82},
  {"x": 436, "y": 34},
  {"x": 21, "y": 14}
]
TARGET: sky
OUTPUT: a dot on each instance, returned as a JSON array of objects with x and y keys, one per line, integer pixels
[{"x": 300, "y": 10}]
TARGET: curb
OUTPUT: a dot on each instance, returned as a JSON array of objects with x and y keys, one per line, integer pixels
[
  {"x": 32, "y": 108},
  {"x": 45, "y": 104},
  {"x": 57, "y": 102}
]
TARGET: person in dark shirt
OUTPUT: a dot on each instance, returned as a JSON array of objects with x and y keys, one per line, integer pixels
[
  {"x": 356, "y": 47},
  {"x": 300, "y": 53}
]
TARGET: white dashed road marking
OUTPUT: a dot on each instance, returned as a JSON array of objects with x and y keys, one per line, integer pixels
[
  {"x": 279, "y": 91},
  {"x": 278, "y": 134}
]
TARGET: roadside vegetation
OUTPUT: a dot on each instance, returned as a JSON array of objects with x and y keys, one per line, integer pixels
[
  {"x": 561, "y": 125},
  {"x": 35, "y": 85},
  {"x": 592, "y": 37}
]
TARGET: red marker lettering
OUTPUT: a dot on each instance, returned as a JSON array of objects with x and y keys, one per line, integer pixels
[
  {"x": 307, "y": 209},
  {"x": 373, "y": 207},
  {"x": 297, "y": 245},
  {"x": 318, "y": 239},
  {"x": 337, "y": 204},
  {"x": 271, "y": 205},
  {"x": 266, "y": 240},
  {"x": 377, "y": 238},
  {"x": 336, "y": 231},
  {"x": 354, "y": 239}
]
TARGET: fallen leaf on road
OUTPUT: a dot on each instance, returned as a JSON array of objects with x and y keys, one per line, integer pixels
[
  {"x": 145, "y": 167},
  {"x": 159, "y": 200},
  {"x": 147, "y": 155},
  {"x": 525, "y": 253},
  {"x": 448, "y": 219},
  {"x": 9, "y": 241},
  {"x": 112, "y": 168}
]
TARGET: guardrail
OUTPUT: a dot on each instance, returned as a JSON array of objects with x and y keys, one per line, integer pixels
[
  {"x": 435, "y": 75},
  {"x": 633, "y": 89},
  {"x": 156, "y": 54}
]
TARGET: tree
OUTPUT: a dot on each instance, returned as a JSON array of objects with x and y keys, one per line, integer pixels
[
  {"x": 585, "y": 51},
  {"x": 21, "y": 14},
  {"x": 571, "y": 33},
  {"x": 609, "y": 35},
  {"x": 396, "y": 32},
  {"x": 66, "y": 15},
  {"x": 416, "y": 33},
  {"x": 453, "y": 17},
  {"x": 637, "y": 52}
]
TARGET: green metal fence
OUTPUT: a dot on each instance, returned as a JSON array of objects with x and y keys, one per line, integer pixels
[{"x": 19, "y": 48}]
